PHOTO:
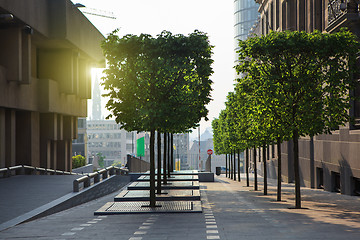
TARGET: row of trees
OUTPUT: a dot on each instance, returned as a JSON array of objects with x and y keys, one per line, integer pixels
[
  {"x": 158, "y": 84},
  {"x": 292, "y": 84}
]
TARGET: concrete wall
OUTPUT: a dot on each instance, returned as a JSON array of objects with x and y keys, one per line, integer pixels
[
  {"x": 44, "y": 80},
  {"x": 85, "y": 169},
  {"x": 136, "y": 165}
]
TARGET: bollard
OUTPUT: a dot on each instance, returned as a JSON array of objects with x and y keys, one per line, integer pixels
[{"x": 75, "y": 186}]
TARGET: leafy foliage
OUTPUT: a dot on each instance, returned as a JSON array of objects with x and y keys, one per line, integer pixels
[
  {"x": 294, "y": 84},
  {"x": 160, "y": 83},
  {"x": 78, "y": 161},
  {"x": 101, "y": 158}
]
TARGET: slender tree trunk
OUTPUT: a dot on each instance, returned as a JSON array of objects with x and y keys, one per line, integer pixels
[
  {"x": 279, "y": 169},
  {"x": 312, "y": 163},
  {"x": 296, "y": 169},
  {"x": 247, "y": 167},
  {"x": 152, "y": 169},
  {"x": 234, "y": 162},
  {"x": 164, "y": 160},
  {"x": 230, "y": 166},
  {"x": 255, "y": 171},
  {"x": 226, "y": 165},
  {"x": 168, "y": 156},
  {"x": 265, "y": 170},
  {"x": 158, "y": 187},
  {"x": 172, "y": 153},
  {"x": 239, "y": 179}
]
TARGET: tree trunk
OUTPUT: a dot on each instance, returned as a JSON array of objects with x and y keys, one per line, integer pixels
[
  {"x": 172, "y": 153},
  {"x": 239, "y": 179},
  {"x": 255, "y": 171},
  {"x": 164, "y": 160},
  {"x": 230, "y": 166},
  {"x": 226, "y": 165},
  {"x": 247, "y": 167},
  {"x": 279, "y": 169},
  {"x": 159, "y": 163},
  {"x": 312, "y": 163},
  {"x": 152, "y": 169},
  {"x": 265, "y": 170},
  {"x": 234, "y": 162},
  {"x": 296, "y": 169},
  {"x": 168, "y": 156}
]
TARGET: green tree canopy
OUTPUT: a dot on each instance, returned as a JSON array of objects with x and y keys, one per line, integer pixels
[
  {"x": 301, "y": 81},
  {"x": 158, "y": 83}
]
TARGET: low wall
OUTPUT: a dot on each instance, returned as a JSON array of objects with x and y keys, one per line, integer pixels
[
  {"x": 137, "y": 165},
  {"x": 85, "y": 169},
  {"x": 206, "y": 177}
]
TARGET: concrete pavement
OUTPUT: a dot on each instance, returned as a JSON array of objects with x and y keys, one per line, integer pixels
[{"x": 230, "y": 211}]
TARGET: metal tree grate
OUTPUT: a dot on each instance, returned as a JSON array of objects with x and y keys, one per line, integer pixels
[{"x": 143, "y": 206}]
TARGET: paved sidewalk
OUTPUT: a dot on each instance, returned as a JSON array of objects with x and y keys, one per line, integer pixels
[{"x": 230, "y": 211}]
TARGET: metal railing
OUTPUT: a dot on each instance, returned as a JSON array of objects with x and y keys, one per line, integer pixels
[
  {"x": 334, "y": 10},
  {"x": 86, "y": 179},
  {"x": 93, "y": 178},
  {"x": 24, "y": 169}
]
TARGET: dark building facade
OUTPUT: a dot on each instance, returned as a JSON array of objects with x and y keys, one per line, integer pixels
[
  {"x": 47, "y": 49},
  {"x": 327, "y": 161}
]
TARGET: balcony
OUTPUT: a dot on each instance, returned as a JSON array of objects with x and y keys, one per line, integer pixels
[{"x": 342, "y": 13}]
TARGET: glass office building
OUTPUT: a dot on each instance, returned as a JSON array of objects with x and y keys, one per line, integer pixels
[{"x": 246, "y": 15}]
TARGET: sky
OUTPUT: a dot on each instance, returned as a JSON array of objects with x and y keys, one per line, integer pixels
[{"x": 214, "y": 17}]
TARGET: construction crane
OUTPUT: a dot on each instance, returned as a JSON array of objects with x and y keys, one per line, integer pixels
[{"x": 95, "y": 12}]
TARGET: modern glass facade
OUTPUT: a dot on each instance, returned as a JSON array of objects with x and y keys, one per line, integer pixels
[{"x": 245, "y": 16}]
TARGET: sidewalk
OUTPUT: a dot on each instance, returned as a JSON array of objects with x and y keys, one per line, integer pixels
[{"x": 230, "y": 211}]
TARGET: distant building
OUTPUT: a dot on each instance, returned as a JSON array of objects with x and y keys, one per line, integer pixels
[
  {"x": 106, "y": 137},
  {"x": 206, "y": 143},
  {"x": 180, "y": 148},
  {"x": 79, "y": 145},
  {"x": 47, "y": 49},
  {"x": 245, "y": 16}
]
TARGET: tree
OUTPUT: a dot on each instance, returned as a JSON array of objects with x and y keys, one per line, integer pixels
[
  {"x": 101, "y": 158},
  {"x": 152, "y": 81},
  {"x": 304, "y": 80}
]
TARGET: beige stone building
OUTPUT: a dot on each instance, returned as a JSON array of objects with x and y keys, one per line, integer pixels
[
  {"x": 47, "y": 49},
  {"x": 332, "y": 161}
]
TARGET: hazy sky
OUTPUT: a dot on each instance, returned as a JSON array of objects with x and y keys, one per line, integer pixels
[{"x": 215, "y": 17}]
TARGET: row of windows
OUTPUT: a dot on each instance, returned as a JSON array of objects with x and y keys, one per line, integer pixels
[
  {"x": 109, "y": 154},
  {"x": 250, "y": 14},
  {"x": 103, "y": 126},
  {"x": 104, "y": 136},
  {"x": 104, "y": 144},
  {"x": 244, "y": 28}
]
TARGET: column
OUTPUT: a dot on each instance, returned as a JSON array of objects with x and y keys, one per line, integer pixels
[
  {"x": 10, "y": 137},
  {"x": 2, "y": 137},
  {"x": 48, "y": 134}
]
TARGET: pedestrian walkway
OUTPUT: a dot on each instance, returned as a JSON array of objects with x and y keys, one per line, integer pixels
[
  {"x": 23, "y": 193},
  {"x": 230, "y": 211}
]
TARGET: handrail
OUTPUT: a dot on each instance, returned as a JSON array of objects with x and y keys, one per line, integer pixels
[
  {"x": 7, "y": 172},
  {"x": 104, "y": 173}
]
